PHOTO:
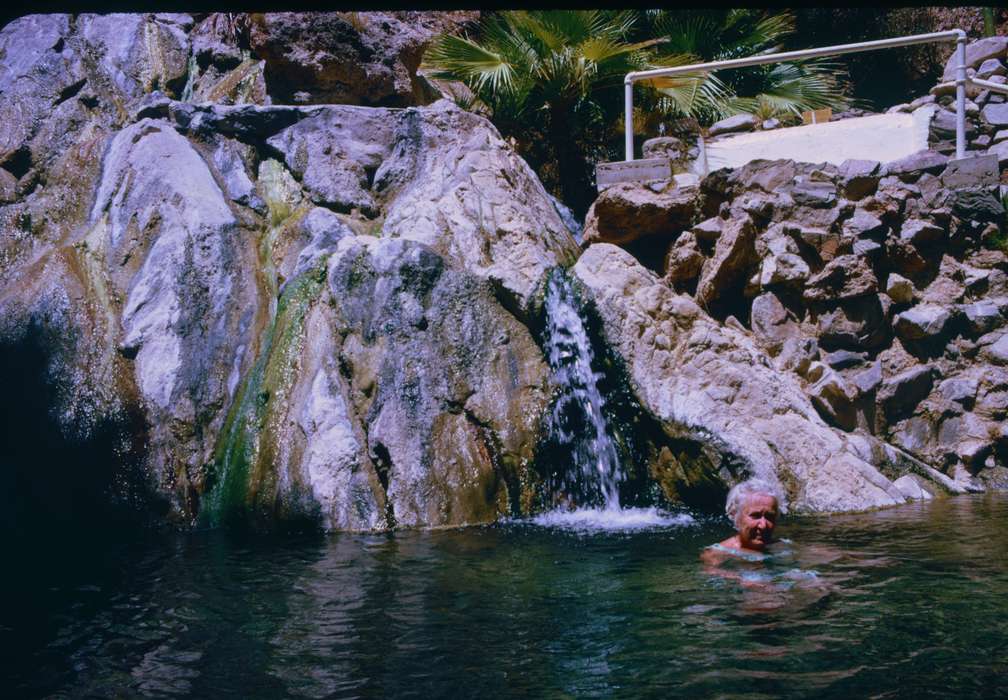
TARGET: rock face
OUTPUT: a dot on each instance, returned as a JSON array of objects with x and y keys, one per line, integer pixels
[
  {"x": 294, "y": 312},
  {"x": 365, "y": 58},
  {"x": 870, "y": 295},
  {"x": 709, "y": 383}
]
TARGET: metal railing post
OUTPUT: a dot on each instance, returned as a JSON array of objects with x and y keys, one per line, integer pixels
[
  {"x": 628, "y": 116},
  {"x": 960, "y": 94}
]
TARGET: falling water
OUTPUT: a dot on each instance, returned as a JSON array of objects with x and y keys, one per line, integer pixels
[
  {"x": 578, "y": 420},
  {"x": 590, "y": 471}
]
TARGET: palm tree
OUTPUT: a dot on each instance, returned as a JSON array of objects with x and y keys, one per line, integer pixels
[
  {"x": 548, "y": 72},
  {"x": 714, "y": 35}
]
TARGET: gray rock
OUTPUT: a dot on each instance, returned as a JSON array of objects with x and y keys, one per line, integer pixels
[
  {"x": 684, "y": 260},
  {"x": 320, "y": 230},
  {"x": 943, "y": 125},
  {"x": 844, "y": 277},
  {"x": 708, "y": 231},
  {"x": 923, "y": 322},
  {"x": 899, "y": 395},
  {"x": 995, "y": 114},
  {"x": 833, "y": 397},
  {"x": 857, "y": 324},
  {"x": 814, "y": 194},
  {"x": 1001, "y": 151},
  {"x": 711, "y": 382},
  {"x": 336, "y": 152},
  {"x": 768, "y": 176},
  {"x": 859, "y": 178},
  {"x": 451, "y": 182},
  {"x": 665, "y": 147},
  {"x": 913, "y": 487},
  {"x": 870, "y": 379},
  {"x": 739, "y": 122},
  {"x": 982, "y": 316},
  {"x": 784, "y": 269},
  {"x": 959, "y": 390},
  {"x": 863, "y": 223},
  {"x": 156, "y": 226},
  {"x": 978, "y": 203},
  {"x": 976, "y": 53},
  {"x": 1001, "y": 135},
  {"x": 919, "y": 232},
  {"x": 446, "y": 381},
  {"x": 991, "y": 66},
  {"x": 922, "y": 161},
  {"x": 844, "y": 359},
  {"x": 997, "y": 352},
  {"x": 866, "y": 247},
  {"x": 734, "y": 256}
]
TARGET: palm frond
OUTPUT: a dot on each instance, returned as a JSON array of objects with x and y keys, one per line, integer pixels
[{"x": 455, "y": 58}]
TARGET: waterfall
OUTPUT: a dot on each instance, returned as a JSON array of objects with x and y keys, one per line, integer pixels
[
  {"x": 578, "y": 420},
  {"x": 586, "y": 465}
]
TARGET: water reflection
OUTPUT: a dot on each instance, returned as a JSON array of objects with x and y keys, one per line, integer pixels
[{"x": 910, "y": 601}]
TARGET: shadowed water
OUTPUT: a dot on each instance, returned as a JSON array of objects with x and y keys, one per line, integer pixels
[{"x": 908, "y": 602}]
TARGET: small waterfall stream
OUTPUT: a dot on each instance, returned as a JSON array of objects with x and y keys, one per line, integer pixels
[
  {"x": 578, "y": 419},
  {"x": 586, "y": 487}
]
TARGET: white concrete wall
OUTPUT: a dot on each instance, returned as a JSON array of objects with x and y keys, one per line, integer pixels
[{"x": 881, "y": 137}]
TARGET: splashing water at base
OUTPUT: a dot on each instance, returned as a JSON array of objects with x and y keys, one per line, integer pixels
[
  {"x": 590, "y": 520},
  {"x": 578, "y": 420}
]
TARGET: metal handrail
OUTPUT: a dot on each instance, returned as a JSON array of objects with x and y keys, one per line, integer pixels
[{"x": 957, "y": 35}]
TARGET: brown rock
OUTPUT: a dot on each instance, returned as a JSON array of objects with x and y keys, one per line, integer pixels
[
  {"x": 845, "y": 277},
  {"x": 628, "y": 211},
  {"x": 684, "y": 261},
  {"x": 734, "y": 257},
  {"x": 364, "y": 58}
]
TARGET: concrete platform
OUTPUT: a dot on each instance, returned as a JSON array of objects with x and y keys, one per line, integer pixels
[{"x": 881, "y": 137}]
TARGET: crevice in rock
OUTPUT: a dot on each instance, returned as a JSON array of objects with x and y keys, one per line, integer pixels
[
  {"x": 19, "y": 162},
  {"x": 70, "y": 91},
  {"x": 382, "y": 461}
]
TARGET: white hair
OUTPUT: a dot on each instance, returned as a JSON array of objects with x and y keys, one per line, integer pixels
[{"x": 744, "y": 489}]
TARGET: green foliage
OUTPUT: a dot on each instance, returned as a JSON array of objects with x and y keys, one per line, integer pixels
[
  {"x": 553, "y": 79},
  {"x": 774, "y": 90}
]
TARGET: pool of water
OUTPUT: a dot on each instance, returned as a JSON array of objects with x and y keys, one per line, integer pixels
[{"x": 907, "y": 602}]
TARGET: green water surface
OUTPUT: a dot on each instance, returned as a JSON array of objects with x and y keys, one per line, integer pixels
[{"x": 908, "y": 602}]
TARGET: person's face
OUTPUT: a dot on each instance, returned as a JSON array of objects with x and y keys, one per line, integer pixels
[{"x": 757, "y": 519}]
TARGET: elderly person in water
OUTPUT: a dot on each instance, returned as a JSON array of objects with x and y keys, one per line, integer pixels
[{"x": 754, "y": 506}]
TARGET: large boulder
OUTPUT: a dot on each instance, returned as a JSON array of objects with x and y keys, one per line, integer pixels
[
  {"x": 628, "y": 211},
  {"x": 450, "y": 388},
  {"x": 437, "y": 175},
  {"x": 365, "y": 58},
  {"x": 709, "y": 383}
]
